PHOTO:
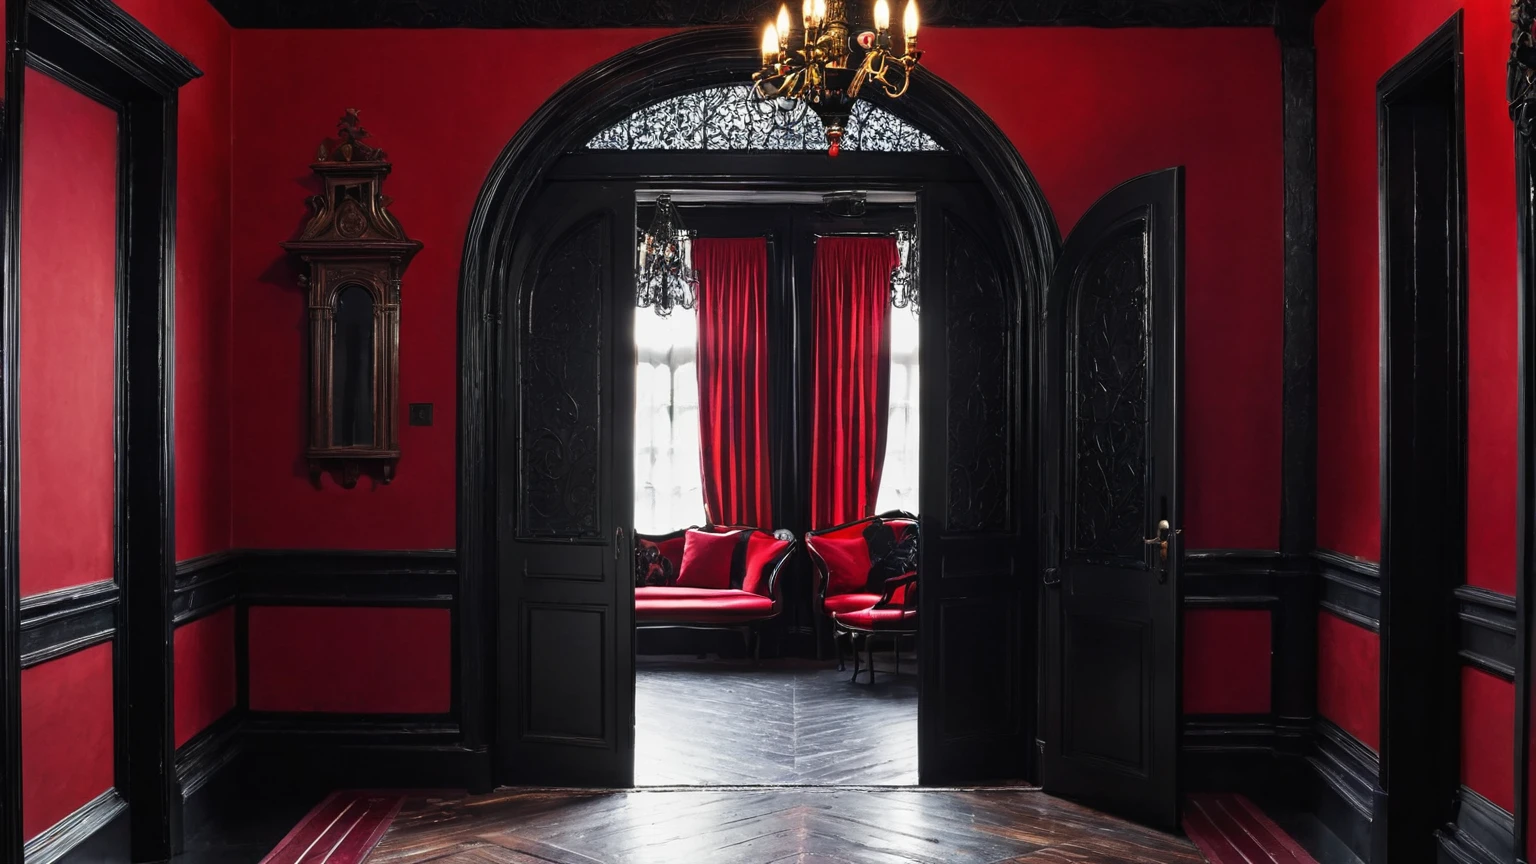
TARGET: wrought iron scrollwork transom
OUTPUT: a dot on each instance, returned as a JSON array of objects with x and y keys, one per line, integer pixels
[
  {"x": 561, "y": 388},
  {"x": 1522, "y": 68},
  {"x": 1107, "y": 398},
  {"x": 980, "y": 356},
  {"x": 727, "y": 118}
]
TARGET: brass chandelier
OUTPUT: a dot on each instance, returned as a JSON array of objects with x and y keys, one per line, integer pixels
[{"x": 823, "y": 74}]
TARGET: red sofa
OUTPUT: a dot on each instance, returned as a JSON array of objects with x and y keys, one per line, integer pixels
[
  {"x": 851, "y": 564},
  {"x": 733, "y": 585}
]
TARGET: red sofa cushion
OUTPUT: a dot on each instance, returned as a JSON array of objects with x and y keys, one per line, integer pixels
[
  {"x": 707, "y": 559},
  {"x": 847, "y": 560},
  {"x": 763, "y": 552},
  {"x": 879, "y": 619},
  {"x": 700, "y": 605},
  {"x": 849, "y": 602}
]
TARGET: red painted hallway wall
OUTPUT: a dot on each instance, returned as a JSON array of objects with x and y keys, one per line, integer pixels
[
  {"x": 67, "y": 400},
  {"x": 447, "y": 101},
  {"x": 1358, "y": 41},
  {"x": 68, "y": 326},
  {"x": 66, "y": 736}
]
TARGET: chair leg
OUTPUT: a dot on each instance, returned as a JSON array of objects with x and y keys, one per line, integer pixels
[
  {"x": 869, "y": 647},
  {"x": 837, "y": 645},
  {"x": 896, "y": 649},
  {"x": 821, "y": 652},
  {"x": 757, "y": 646},
  {"x": 853, "y": 641}
]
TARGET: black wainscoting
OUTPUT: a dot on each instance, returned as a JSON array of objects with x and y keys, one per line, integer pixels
[
  {"x": 649, "y": 13},
  {"x": 1487, "y": 630},
  {"x": 68, "y": 620},
  {"x": 1350, "y": 587},
  {"x": 256, "y": 753},
  {"x": 1344, "y": 787},
  {"x": 1482, "y": 833},
  {"x": 95, "y": 834},
  {"x": 1228, "y": 753}
]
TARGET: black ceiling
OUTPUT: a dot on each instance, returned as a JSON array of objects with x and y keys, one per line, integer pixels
[{"x": 693, "y": 13}]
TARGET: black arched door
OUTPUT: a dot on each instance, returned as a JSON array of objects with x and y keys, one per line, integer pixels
[
  {"x": 1110, "y": 624},
  {"x": 565, "y": 640}
]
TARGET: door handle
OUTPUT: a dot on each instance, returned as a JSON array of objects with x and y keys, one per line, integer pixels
[
  {"x": 1165, "y": 532},
  {"x": 618, "y": 542},
  {"x": 1052, "y": 577}
]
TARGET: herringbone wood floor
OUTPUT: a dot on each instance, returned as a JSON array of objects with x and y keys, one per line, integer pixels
[
  {"x": 725, "y": 723},
  {"x": 759, "y": 826}
]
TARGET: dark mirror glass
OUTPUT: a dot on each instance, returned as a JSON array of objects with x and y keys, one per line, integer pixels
[{"x": 352, "y": 369}]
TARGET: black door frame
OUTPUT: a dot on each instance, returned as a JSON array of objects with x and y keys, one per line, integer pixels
[
  {"x": 98, "y": 49},
  {"x": 1423, "y": 516},
  {"x": 597, "y": 98}
]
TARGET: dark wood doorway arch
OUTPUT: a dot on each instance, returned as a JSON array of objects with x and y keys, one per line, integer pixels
[{"x": 992, "y": 266}]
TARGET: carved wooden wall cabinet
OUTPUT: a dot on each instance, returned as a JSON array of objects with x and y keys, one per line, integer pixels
[{"x": 353, "y": 253}]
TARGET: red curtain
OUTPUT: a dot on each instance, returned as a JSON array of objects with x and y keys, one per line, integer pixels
[
  {"x": 733, "y": 379},
  {"x": 850, "y": 300}
]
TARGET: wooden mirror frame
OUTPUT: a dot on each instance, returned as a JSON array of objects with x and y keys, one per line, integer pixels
[{"x": 352, "y": 240}]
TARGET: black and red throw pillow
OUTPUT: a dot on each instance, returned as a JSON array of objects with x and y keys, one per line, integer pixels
[
  {"x": 897, "y": 559},
  {"x": 652, "y": 568}
]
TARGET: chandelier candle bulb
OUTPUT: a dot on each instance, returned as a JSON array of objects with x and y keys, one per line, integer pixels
[
  {"x": 770, "y": 44},
  {"x": 783, "y": 29},
  {"x": 882, "y": 16},
  {"x": 909, "y": 25},
  {"x": 821, "y": 12}
]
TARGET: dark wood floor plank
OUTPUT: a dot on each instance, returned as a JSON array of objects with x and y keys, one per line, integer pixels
[
  {"x": 713, "y": 723},
  {"x": 756, "y": 826}
]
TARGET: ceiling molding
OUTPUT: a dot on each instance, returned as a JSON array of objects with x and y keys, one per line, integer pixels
[{"x": 492, "y": 14}]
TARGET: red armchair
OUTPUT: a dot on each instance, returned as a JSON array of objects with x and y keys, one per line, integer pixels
[
  {"x": 730, "y": 583},
  {"x": 889, "y": 618},
  {"x": 852, "y": 563}
]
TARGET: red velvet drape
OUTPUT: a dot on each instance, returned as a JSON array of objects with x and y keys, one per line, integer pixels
[
  {"x": 850, "y": 300},
  {"x": 733, "y": 379}
]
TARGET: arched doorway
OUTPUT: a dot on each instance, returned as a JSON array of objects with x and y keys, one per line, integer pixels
[{"x": 542, "y": 539}]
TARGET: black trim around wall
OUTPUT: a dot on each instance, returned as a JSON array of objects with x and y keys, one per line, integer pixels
[
  {"x": 97, "y": 833},
  {"x": 1346, "y": 793},
  {"x": 650, "y": 13},
  {"x": 68, "y": 620},
  {"x": 1350, "y": 588},
  {"x": 1481, "y": 833},
  {"x": 1487, "y": 623}
]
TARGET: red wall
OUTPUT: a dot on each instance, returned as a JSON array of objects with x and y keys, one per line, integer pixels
[
  {"x": 204, "y": 392},
  {"x": 68, "y": 364},
  {"x": 1487, "y": 736},
  {"x": 446, "y": 102},
  {"x": 205, "y": 680},
  {"x": 1227, "y": 660},
  {"x": 66, "y": 736},
  {"x": 1349, "y": 677},
  {"x": 350, "y": 659}
]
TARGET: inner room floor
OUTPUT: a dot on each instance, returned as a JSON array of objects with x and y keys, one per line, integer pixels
[{"x": 780, "y": 722}]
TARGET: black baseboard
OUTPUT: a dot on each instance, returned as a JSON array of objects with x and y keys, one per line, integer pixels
[
  {"x": 1345, "y": 788},
  {"x": 1482, "y": 833},
  {"x": 1228, "y": 753},
  {"x": 335, "y": 751},
  {"x": 95, "y": 834}
]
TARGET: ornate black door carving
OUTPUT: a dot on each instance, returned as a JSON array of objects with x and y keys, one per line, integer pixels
[
  {"x": 977, "y": 670},
  {"x": 565, "y": 639},
  {"x": 1110, "y": 445}
]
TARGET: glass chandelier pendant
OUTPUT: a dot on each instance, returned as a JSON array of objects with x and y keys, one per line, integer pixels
[
  {"x": 823, "y": 72},
  {"x": 904, "y": 274},
  {"x": 664, "y": 274}
]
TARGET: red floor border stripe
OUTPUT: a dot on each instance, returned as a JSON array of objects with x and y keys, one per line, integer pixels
[
  {"x": 1205, "y": 830},
  {"x": 346, "y": 812}
]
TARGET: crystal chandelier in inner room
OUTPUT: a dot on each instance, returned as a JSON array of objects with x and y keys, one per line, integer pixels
[
  {"x": 823, "y": 73},
  {"x": 664, "y": 274}
]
